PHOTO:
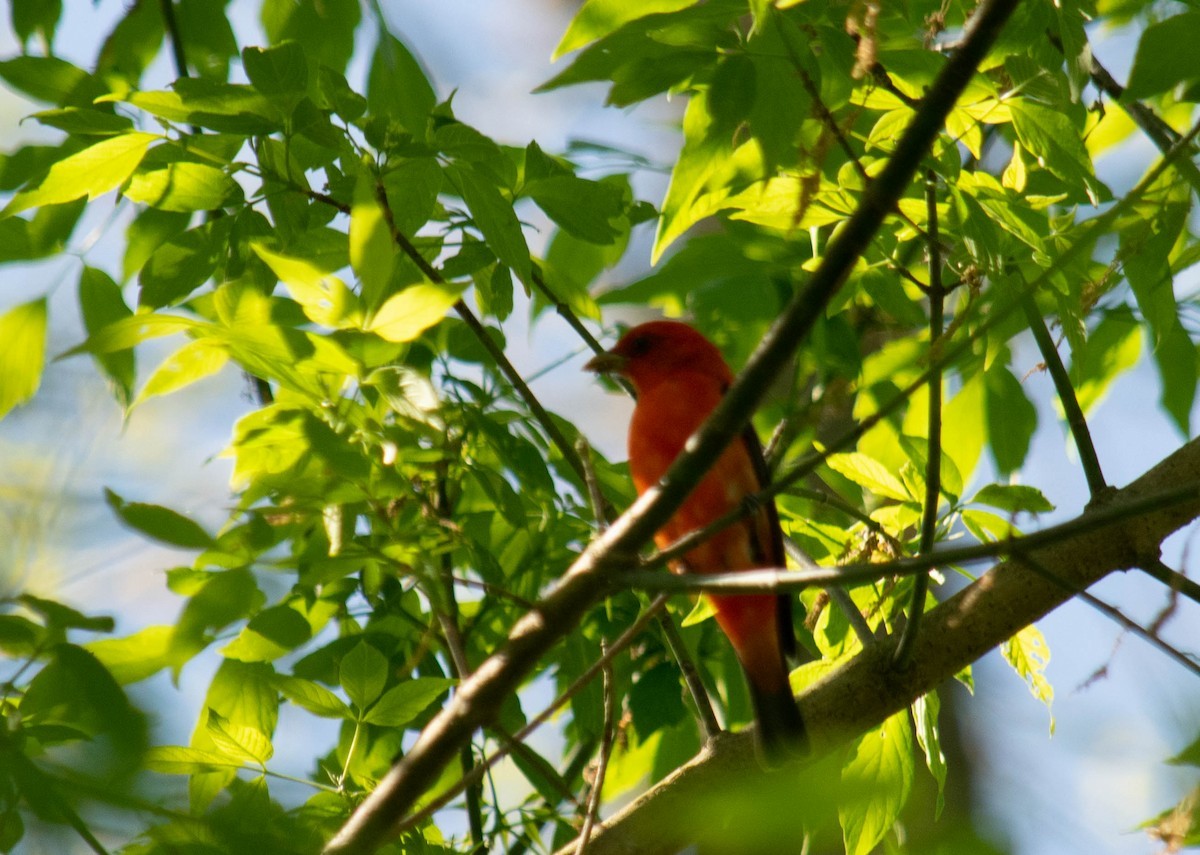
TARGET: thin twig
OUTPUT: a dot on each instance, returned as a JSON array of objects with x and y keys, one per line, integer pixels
[
  {"x": 1109, "y": 611},
  {"x": 1151, "y": 124},
  {"x": 606, "y": 743},
  {"x": 1088, "y": 458},
  {"x": 779, "y": 580},
  {"x": 1173, "y": 579},
  {"x": 709, "y": 726},
  {"x": 933, "y": 461},
  {"x": 448, "y": 619},
  {"x": 595, "y": 497},
  {"x": 840, "y": 596}
]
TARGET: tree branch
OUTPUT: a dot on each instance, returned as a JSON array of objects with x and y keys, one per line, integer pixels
[
  {"x": 866, "y": 690},
  {"x": 480, "y": 697}
]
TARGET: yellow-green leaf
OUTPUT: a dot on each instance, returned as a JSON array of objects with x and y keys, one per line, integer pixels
[
  {"x": 184, "y": 187},
  {"x": 238, "y": 741},
  {"x": 1029, "y": 655},
  {"x": 91, "y": 172},
  {"x": 415, "y": 309},
  {"x": 194, "y": 361},
  {"x": 22, "y": 353},
  {"x": 870, "y": 473},
  {"x": 372, "y": 252},
  {"x": 877, "y": 779},
  {"x": 178, "y": 760},
  {"x": 325, "y": 298}
]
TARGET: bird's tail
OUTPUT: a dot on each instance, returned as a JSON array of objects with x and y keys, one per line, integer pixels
[{"x": 781, "y": 736}]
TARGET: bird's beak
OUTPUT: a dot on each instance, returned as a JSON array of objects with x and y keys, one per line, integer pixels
[{"x": 606, "y": 363}]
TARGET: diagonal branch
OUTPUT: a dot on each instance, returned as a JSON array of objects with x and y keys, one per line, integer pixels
[
  {"x": 480, "y": 697},
  {"x": 866, "y": 690}
]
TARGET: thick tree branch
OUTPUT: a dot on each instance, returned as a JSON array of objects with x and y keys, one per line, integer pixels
[{"x": 865, "y": 691}]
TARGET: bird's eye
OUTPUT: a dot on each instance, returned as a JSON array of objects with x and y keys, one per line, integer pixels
[{"x": 640, "y": 346}]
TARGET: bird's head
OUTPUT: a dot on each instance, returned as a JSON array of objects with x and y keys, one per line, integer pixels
[{"x": 654, "y": 351}]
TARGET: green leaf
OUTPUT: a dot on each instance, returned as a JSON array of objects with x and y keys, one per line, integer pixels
[
  {"x": 134, "y": 657},
  {"x": 870, "y": 473},
  {"x": 987, "y": 527},
  {"x": 19, "y": 636},
  {"x": 149, "y": 230},
  {"x": 1112, "y": 348},
  {"x": 415, "y": 309},
  {"x": 313, "y": 697},
  {"x": 1050, "y": 137},
  {"x": 363, "y": 673},
  {"x": 183, "y": 264},
  {"x": 372, "y": 250},
  {"x": 1165, "y": 57},
  {"x": 278, "y": 70},
  {"x": 224, "y": 107},
  {"x": 325, "y": 298},
  {"x": 22, "y": 353},
  {"x": 60, "y": 617},
  {"x": 74, "y": 690},
  {"x": 412, "y": 190},
  {"x": 397, "y": 86},
  {"x": 133, "y": 330},
  {"x": 77, "y": 120},
  {"x": 131, "y": 46},
  {"x": 50, "y": 79},
  {"x": 194, "y": 361},
  {"x": 185, "y": 187},
  {"x": 1011, "y": 419},
  {"x": 705, "y": 149},
  {"x": 325, "y": 30},
  {"x": 702, "y": 610},
  {"x": 1014, "y": 498},
  {"x": 925, "y": 714},
  {"x": 401, "y": 704},
  {"x": 1177, "y": 366},
  {"x": 1028, "y": 655},
  {"x": 162, "y": 524},
  {"x": 270, "y": 634},
  {"x": 495, "y": 218},
  {"x": 238, "y": 741},
  {"x": 178, "y": 760},
  {"x": 102, "y": 303},
  {"x": 963, "y": 426},
  {"x": 597, "y": 18},
  {"x": 35, "y": 16},
  {"x": 584, "y": 208},
  {"x": 92, "y": 172},
  {"x": 878, "y": 777}
]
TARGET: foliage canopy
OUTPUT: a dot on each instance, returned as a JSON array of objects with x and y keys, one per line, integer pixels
[{"x": 356, "y": 250}]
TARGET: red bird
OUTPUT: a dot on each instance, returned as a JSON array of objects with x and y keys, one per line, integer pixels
[{"x": 679, "y": 377}]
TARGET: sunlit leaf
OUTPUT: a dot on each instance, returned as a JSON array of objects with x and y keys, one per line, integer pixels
[
  {"x": 22, "y": 353},
  {"x": 92, "y": 172}
]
